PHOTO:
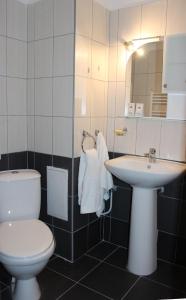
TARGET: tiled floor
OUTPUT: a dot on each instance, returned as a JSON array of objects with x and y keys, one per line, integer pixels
[{"x": 102, "y": 274}]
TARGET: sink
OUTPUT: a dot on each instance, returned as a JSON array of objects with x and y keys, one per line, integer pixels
[
  {"x": 145, "y": 178},
  {"x": 137, "y": 171}
]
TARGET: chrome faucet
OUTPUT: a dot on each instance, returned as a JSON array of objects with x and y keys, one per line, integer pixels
[{"x": 151, "y": 155}]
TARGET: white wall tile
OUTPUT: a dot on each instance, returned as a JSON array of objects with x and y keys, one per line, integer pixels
[
  {"x": 43, "y": 135},
  {"x": 99, "y": 61},
  {"x": 153, "y": 19},
  {"x": 17, "y": 20},
  {"x": 17, "y": 96},
  {"x": 176, "y": 21},
  {"x": 43, "y": 19},
  {"x": 82, "y": 99},
  {"x": 17, "y": 133},
  {"x": 110, "y": 134},
  {"x": 3, "y": 135},
  {"x": 99, "y": 124},
  {"x": 31, "y": 133},
  {"x": 16, "y": 58},
  {"x": 2, "y": 55},
  {"x": 30, "y": 97},
  {"x": 111, "y": 99},
  {"x": 81, "y": 124},
  {"x": 62, "y": 136},
  {"x": 173, "y": 140},
  {"x": 30, "y": 60},
  {"x": 120, "y": 99},
  {"x": 63, "y": 96},
  {"x": 83, "y": 56},
  {"x": 148, "y": 136},
  {"x": 100, "y": 23},
  {"x": 63, "y": 17},
  {"x": 121, "y": 63},
  {"x": 127, "y": 143},
  {"x": 3, "y": 102},
  {"x": 129, "y": 23},
  {"x": 43, "y": 96},
  {"x": 63, "y": 55},
  {"x": 3, "y": 17},
  {"x": 98, "y": 99},
  {"x": 43, "y": 58},
  {"x": 113, "y": 62},
  {"x": 31, "y": 22},
  {"x": 84, "y": 17},
  {"x": 113, "y": 27}
]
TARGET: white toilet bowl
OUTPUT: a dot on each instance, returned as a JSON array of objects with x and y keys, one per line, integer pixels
[{"x": 25, "y": 248}]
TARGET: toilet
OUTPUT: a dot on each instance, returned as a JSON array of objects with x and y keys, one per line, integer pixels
[{"x": 26, "y": 243}]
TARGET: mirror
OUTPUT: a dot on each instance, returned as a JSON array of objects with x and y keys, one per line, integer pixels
[{"x": 144, "y": 81}]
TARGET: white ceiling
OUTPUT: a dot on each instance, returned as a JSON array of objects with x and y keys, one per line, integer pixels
[{"x": 110, "y": 4}]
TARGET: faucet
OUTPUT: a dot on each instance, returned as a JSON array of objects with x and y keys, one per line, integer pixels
[{"x": 151, "y": 155}]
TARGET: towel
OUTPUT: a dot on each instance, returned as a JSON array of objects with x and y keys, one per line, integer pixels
[
  {"x": 94, "y": 181},
  {"x": 106, "y": 181},
  {"x": 89, "y": 192}
]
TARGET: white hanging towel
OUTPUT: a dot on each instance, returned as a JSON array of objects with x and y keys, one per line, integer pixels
[
  {"x": 89, "y": 192},
  {"x": 106, "y": 181}
]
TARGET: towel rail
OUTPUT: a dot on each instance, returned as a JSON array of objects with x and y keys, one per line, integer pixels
[{"x": 85, "y": 135}]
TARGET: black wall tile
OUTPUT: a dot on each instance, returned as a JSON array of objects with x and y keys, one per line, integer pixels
[
  {"x": 80, "y": 242},
  {"x": 122, "y": 199},
  {"x": 41, "y": 163},
  {"x": 181, "y": 252},
  {"x": 76, "y": 172},
  {"x": 107, "y": 228},
  {"x": 31, "y": 159},
  {"x": 63, "y": 243},
  {"x": 4, "y": 162},
  {"x": 94, "y": 233},
  {"x": 79, "y": 220},
  {"x": 43, "y": 212},
  {"x": 119, "y": 232},
  {"x": 175, "y": 188},
  {"x": 167, "y": 247},
  {"x": 168, "y": 214},
  {"x": 18, "y": 160},
  {"x": 182, "y": 223}
]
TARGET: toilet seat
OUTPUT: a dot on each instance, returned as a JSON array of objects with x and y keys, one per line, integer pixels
[{"x": 25, "y": 242}]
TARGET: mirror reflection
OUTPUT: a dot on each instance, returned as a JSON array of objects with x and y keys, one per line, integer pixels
[{"x": 144, "y": 76}]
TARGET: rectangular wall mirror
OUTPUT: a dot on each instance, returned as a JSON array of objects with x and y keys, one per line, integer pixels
[{"x": 154, "y": 78}]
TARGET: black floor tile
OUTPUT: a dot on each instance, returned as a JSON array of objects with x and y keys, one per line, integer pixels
[
  {"x": 171, "y": 275},
  {"x": 118, "y": 258},
  {"x": 102, "y": 250},
  {"x": 82, "y": 293},
  {"x": 76, "y": 270},
  {"x": 147, "y": 290},
  {"x": 52, "y": 285},
  {"x": 109, "y": 281}
]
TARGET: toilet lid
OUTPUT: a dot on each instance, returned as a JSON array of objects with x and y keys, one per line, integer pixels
[{"x": 24, "y": 238}]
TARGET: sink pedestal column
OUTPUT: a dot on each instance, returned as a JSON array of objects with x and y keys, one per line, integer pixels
[{"x": 143, "y": 232}]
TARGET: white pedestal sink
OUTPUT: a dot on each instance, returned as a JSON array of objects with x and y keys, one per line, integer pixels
[{"x": 145, "y": 178}]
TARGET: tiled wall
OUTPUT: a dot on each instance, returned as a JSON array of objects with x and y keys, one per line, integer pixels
[
  {"x": 167, "y": 136},
  {"x": 13, "y": 74},
  {"x": 51, "y": 122},
  {"x": 91, "y": 69}
]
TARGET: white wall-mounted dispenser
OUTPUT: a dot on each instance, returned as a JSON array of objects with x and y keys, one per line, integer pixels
[{"x": 57, "y": 193}]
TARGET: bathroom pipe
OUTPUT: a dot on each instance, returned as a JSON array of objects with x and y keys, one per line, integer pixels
[{"x": 111, "y": 198}]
